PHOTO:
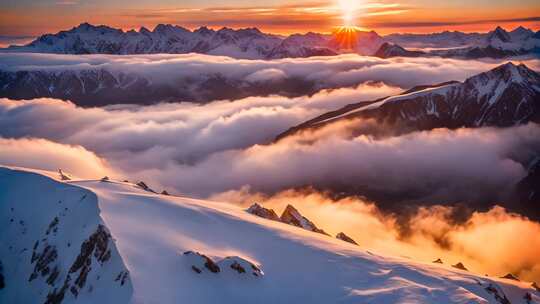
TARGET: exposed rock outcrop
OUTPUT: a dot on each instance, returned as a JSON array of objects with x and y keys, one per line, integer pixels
[
  {"x": 342, "y": 236},
  {"x": 63, "y": 176},
  {"x": 291, "y": 216},
  {"x": 498, "y": 294},
  {"x": 240, "y": 266},
  {"x": 460, "y": 266},
  {"x": 145, "y": 187},
  {"x": 260, "y": 211},
  {"x": 438, "y": 261},
  {"x": 510, "y": 276},
  {"x": 200, "y": 261},
  {"x": 388, "y": 50}
]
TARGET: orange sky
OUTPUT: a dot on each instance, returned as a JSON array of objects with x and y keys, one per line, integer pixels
[{"x": 26, "y": 18}]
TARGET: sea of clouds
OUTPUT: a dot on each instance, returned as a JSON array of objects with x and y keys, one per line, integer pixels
[
  {"x": 203, "y": 78},
  {"x": 225, "y": 149}
]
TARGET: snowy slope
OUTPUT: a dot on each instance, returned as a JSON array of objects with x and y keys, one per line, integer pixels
[
  {"x": 505, "y": 96},
  {"x": 154, "y": 235},
  {"x": 55, "y": 246}
]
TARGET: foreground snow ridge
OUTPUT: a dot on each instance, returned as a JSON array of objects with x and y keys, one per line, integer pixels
[{"x": 114, "y": 242}]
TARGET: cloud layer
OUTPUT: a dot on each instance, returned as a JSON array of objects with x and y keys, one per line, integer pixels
[
  {"x": 224, "y": 149},
  {"x": 180, "y": 146},
  {"x": 47, "y": 155},
  {"x": 202, "y": 78},
  {"x": 485, "y": 241}
]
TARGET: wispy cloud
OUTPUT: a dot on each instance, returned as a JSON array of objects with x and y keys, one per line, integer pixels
[
  {"x": 451, "y": 23},
  {"x": 67, "y": 2}
]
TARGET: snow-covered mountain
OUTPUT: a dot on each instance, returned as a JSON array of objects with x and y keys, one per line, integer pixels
[
  {"x": 496, "y": 37},
  {"x": 89, "y": 39},
  {"x": 444, "y": 39},
  {"x": 495, "y": 44},
  {"x": 100, "y": 85},
  {"x": 251, "y": 43},
  {"x": 306, "y": 45},
  {"x": 248, "y": 43},
  {"x": 56, "y": 248},
  {"x": 504, "y": 96},
  {"x": 92, "y": 87},
  {"x": 388, "y": 50},
  {"x": 102, "y": 241}
]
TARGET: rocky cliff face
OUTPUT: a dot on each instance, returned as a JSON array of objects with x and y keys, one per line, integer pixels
[{"x": 56, "y": 247}]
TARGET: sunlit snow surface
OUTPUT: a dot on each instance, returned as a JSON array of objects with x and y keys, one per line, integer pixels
[{"x": 153, "y": 231}]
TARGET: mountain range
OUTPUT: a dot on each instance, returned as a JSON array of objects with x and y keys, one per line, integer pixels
[
  {"x": 67, "y": 240},
  {"x": 496, "y": 44},
  {"x": 251, "y": 43},
  {"x": 508, "y": 95},
  {"x": 504, "y": 96},
  {"x": 101, "y": 85}
]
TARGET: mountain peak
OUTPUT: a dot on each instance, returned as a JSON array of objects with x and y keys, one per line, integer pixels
[
  {"x": 260, "y": 211},
  {"x": 291, "y": 216},
  {"x": 162, "y": 28},
  {"x": 509, "y": 72},
  {"x": 203, "y": 30},
  {"x": 144, "y": 30},
  {"x": 499, "y": 34},
  {"x": 521, "y": 29},
  {"x": 87, "y": 27}
]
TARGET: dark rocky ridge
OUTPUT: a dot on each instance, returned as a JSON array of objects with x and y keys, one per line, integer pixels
[
  {"x": 289, "y": 216},
  {"x": 505, "y": 96},
  {"x": 100, "y": 87},
  {"x": 388, "y": 50},
  {"x": 342, "y": 236},
  {"x": 473, "y": 103}
]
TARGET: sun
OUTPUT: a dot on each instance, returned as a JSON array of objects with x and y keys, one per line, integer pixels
[{"x": 349, "y": 9}]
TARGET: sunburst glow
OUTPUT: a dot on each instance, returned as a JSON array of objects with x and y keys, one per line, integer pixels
[
  {"x": 349, "y": 10},
  {"x": 346, "y": 37}
]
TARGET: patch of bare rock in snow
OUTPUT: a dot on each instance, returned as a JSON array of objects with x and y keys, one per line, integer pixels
[
  {"x": 201, "y": 263},
  {"x": 293, "y": 217},
  {"x": 260, "y": 211},
  {"x": 342, "y": 236},
  {"x": 460, "y": 266},
  {"x": 438, "y": 261}
]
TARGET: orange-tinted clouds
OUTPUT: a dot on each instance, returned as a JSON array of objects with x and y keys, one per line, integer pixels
[
  {"x": 47, "y": 155},
  {"x": 486, "y": 242},
  {"x": 285, "y": 17}
]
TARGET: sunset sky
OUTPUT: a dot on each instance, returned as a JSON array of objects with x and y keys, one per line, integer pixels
[{"x": 32, "y": 18}]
